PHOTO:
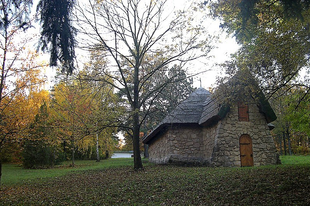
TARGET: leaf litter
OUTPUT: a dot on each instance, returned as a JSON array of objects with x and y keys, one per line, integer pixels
[{"x": 168, "y": 185}]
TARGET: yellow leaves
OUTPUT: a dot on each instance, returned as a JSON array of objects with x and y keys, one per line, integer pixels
[
  {"x": 20, "y": 111},
  {"x": 22, "y": 95}
]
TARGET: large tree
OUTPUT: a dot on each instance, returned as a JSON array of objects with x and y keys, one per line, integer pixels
[
  {"x": 131, "y": 30},
  {"x": 21, "y": 99},
  {"x": 14, "y": 18},
  {"x": 82, "y": 109},
  {"x": 275, "y": 47},
  {"x": 167, "y": 100},
  {"x": 105, "y": 105},
  {"x": 19, "y": 70},
  {"x": 274, "y": 36},
  {"x": 292, "y": 125},
  {"x": 58, "y": 32}
]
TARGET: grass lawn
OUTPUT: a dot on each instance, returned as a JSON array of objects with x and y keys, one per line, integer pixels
[
  {"x": 295, "y": 160},
  {"x": 113, "y": 182},
  {"x": 15, "y": 174}
]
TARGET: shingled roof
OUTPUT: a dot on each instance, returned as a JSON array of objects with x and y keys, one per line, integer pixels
[
  {"x": 203, "y": 108},
  {"x": 187, "y": 112},
  {"x": 213, "y": 111}
]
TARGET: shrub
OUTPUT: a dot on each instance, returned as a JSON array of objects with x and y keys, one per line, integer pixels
[
  {"x": 301, "y": 150},
  {"x": 38, "y": 154}
]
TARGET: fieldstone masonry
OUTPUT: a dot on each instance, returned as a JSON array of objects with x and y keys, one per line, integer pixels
[
  {"x": 217, "y": 145},
  {"x": 180, "y": 144},
  {"x": 226, "y": 151}
]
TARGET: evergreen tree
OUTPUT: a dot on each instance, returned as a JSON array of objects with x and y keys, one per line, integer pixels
[
  {"x": 39, "y": 151},
  {"x": 58, "y": 33}
]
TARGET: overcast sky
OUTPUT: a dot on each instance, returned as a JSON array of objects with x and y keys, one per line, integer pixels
[{"x": 226, "y": 46}]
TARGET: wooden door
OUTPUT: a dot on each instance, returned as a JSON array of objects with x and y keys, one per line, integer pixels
[{"x": 246, "y": 151}]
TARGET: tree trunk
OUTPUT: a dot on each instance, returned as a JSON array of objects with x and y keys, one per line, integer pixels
[
  {"x": 136, "y": 143},
  {"x": 97, "y": 148},
  {"x": 136, "y": 114},
  {"x": 73, "y": 163},
  {"x": 289, "y": 142},
  {"x": 73, "y": 153},
  {"x": 280, "y": 142},
  {"x": 284, "y": 142},
  {"x": 65, "y": 151},
  {"x": 0, "y": 171}
]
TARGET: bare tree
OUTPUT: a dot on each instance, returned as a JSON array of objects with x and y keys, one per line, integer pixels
[{"x": 129, "y": 31}]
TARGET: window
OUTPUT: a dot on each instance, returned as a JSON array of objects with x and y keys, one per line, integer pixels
[{"x": 243, "y": 112}]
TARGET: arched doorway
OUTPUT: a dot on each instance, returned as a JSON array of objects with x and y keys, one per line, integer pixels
[{"x": 246, "y": 151}]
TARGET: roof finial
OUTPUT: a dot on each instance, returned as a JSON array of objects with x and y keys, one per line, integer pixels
[{"x": 200, "y": 82}]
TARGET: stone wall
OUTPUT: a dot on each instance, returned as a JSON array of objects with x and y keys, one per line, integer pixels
[
  {"x": 226, "y": 150},
  {"x": 209, "y": 141},
  {"x": 180, "y": 144},
  {"x": 217, "y": 145},
  {"x": 159, "y": 149}
]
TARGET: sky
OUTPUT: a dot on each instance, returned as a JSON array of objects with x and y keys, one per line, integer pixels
[{"x": 226, "y": 46}]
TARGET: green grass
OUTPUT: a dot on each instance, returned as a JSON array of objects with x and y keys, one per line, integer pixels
[
  {"x": 295, "y": 160},
  {"x": 14, "y": 174},
  {"x": 114, "y": 184}
]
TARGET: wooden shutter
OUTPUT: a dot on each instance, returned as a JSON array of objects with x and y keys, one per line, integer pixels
[{"x": 243, "y": 112}]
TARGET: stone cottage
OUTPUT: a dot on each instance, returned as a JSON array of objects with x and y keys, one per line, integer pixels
[{"x": 202, "y": 131}]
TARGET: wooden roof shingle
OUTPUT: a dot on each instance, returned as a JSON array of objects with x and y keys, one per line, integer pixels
[
  {"x": 187, "y": 112},
  {"x": 203, "y": 108}
]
